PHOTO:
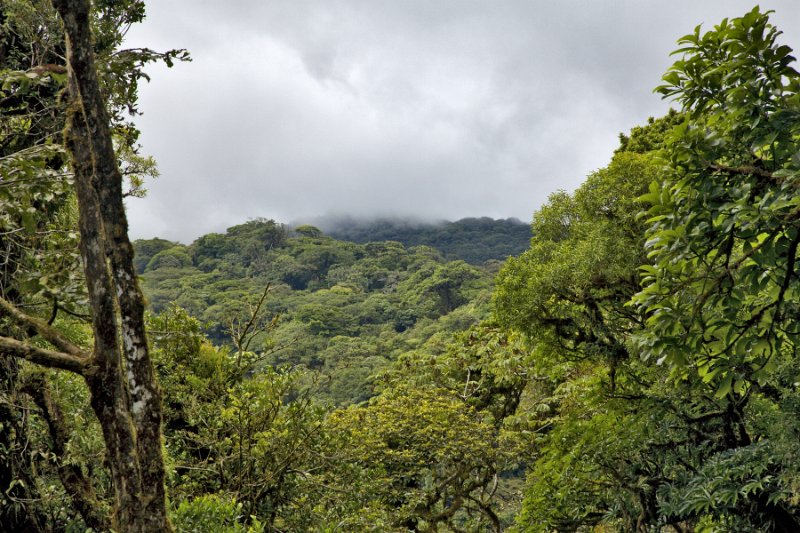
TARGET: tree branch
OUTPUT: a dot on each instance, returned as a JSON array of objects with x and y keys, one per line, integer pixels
[
  {"x": 44, "y": 357},
  {"x": 746, "y": 170},
  {"x": 239, "y": 333},
  {"x": 47, "y": 332},
  {"x": 77, "y": 485}
]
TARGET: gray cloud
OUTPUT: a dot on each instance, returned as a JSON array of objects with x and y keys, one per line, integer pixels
[{"x": 432, "y": 108}]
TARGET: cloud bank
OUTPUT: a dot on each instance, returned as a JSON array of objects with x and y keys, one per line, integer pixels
[{"x": 436, "y": 109}]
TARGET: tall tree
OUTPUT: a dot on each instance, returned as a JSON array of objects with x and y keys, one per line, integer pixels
[
  {"x": 721, "y": 290},
  {"x": 124, "y": 394}
]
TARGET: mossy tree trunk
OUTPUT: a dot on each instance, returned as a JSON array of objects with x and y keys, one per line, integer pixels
[{"x": 124, "y": 393}]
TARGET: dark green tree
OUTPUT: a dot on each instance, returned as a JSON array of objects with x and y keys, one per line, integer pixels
[
  {"x": 42, "y": 222},
  {"x": 721, "y": 287}
]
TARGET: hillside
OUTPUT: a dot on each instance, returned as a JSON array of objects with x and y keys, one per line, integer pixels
[
  {"x": 341, "y": 308},
  {"x": 474, "y": 240}
]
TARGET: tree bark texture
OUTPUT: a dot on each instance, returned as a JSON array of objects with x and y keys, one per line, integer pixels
[{"x": 125, "y": 395}]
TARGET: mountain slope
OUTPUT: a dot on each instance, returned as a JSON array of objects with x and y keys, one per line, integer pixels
[{"x": 474, "y": 240}]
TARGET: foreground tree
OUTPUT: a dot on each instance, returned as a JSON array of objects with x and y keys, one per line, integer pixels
[
  {"x": 601, "y": 456},
  {"x": 622, "y": 444},
  {"x": 124, "y": 394},
  {"x": 721, "y": 292}
]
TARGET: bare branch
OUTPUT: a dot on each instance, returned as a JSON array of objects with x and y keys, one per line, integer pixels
[
  {"x": 745, "y": 171},
  {"x": 242, "y": 336}
]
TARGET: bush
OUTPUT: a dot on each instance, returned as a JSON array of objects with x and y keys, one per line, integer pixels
[{"x": 212, "y": 512}]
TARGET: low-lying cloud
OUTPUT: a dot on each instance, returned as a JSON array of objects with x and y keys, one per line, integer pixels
[{"x": 436, "y": 109}]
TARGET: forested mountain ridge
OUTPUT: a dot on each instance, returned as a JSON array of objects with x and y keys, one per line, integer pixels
[
  {"x": 342, "y": 308},
  {"x": 475, "y": 240}
]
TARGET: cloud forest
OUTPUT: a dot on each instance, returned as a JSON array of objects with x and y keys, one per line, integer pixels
[{"x": 625, "y": 362}]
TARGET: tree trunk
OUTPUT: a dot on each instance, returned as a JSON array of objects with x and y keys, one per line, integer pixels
[{"x": 125, "y": 395}]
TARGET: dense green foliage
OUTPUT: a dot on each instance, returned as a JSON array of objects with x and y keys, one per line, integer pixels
[
  {"x": 344, "y": 309},
  {"x": 633, "y": 369},
  {"x": 676, "y": 405},
  {"x": 474, "y": 240}
]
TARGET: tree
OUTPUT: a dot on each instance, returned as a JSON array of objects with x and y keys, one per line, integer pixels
[
  {"x": 721, "y": 287},
  {"x": 124, "y": 394},
  {"x": 234, "y": 430},
  {"x": 595, "y": 459},
  {"x": 569, "y": 291},
  {"x": 415, "y": 458},
  {"x": 435, "y": 448},
  {"x": 618, "y": 444},
  {"x": 724, "y": 221}
]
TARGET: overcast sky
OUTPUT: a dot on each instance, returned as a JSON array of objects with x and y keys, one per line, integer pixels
[{"x": 439, "y": 109}]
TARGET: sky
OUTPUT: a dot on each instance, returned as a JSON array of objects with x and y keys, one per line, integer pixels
[{"x": 433, "y": 109}]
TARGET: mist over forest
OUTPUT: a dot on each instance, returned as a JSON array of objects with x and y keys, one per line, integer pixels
[{"x": 475, "y": 240}]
